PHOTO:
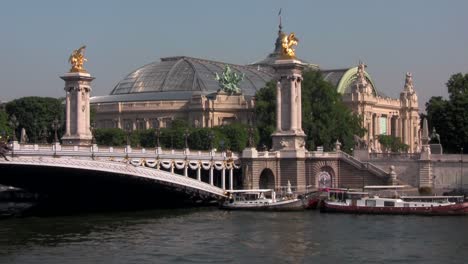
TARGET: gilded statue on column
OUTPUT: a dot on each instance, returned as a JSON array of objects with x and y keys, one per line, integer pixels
[
  {"x": 287, "y": 44},
  {"x": 77, "y": 60}
]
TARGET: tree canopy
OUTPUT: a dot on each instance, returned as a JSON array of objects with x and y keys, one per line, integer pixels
[
  {"x": 450, "y": 117},
  {"x": 325, "y": 118},
  {"x": 36, "y": 115},
  {"x": 228, "y": 137}
]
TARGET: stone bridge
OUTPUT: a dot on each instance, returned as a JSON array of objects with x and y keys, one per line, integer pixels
[{"x": 120, "y": 176}]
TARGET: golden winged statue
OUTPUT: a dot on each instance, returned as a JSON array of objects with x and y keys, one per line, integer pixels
[
  {"x": 287, "y": 43},
  {"x": 77, "y": 59}
]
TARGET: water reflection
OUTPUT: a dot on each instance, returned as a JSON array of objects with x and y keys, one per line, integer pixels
[{"x": 213, "y": 236}]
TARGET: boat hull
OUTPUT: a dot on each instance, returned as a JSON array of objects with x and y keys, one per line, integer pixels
[
  {"x": 287, "y": 205},
  {"x": 453, "y": 209}
]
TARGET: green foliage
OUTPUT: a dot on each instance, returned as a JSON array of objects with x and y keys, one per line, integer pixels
[
  {"x": 450, "y": 117},
  {"x": 265, "y": 113},
  {"x": 199, "y": 138},
  {"x": 393, "y": 144},
  {"x": 324, "y": 116},
  {"x": 110, "y": 136},
  {"x": 235, "y": 136},
  {"x": 36, "y": 114},
  {"x": 4, "y": 127}
]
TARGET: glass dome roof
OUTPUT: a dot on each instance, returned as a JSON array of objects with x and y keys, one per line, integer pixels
[{"x": 184, "y": 74}]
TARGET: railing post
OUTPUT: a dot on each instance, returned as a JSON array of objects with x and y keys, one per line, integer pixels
[
  {"x": 211, "y": 173},
  {"x": 186, "y": 169},
  {"x": 223, "y": 178},
  {"x": 231, "y": 178},
  {"x": 199, "y": 172}
]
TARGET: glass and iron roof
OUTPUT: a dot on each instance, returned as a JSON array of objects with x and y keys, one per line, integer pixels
[{"x": 187, "y": 74}]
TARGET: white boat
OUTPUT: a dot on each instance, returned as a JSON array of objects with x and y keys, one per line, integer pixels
[
  {"x": 343, "y": 201},
  {"x": 262, "y": 200}
]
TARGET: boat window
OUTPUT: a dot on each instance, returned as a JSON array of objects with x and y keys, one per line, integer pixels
[
  {"x": 389, "y": 204},
  {"x": 370, "y": 203},
  {"x": 406, "y": 204}
]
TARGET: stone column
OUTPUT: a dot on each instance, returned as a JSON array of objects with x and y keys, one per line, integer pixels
[
  {"x": 293, "y": 103},
  {"x": 78, "y": 88},
  {"x": 199, "y": 172},
  {"x": 299, "y": 105},
  {"x": 68, "y": 110},
  {"x": 278, "y": 106}
]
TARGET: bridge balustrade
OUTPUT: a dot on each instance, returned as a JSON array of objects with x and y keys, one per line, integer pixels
[{"x": 158, "y": 158}]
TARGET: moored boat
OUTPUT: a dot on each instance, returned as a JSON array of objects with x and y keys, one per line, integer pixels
[
  {"x": 342, "y": 201},
  {"x": 263, "y": 200}
]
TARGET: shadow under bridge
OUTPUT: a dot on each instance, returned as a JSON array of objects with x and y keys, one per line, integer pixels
[{"x": 74, "y": 183}]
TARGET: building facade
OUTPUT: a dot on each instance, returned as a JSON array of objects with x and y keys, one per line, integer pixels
[{"x": 187, "y": 88}]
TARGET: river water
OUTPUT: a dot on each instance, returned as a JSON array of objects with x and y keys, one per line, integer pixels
[{"x": 209, "y": 235}]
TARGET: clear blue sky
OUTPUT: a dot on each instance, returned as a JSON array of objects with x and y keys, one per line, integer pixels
[{"x": 428, "y": 38}]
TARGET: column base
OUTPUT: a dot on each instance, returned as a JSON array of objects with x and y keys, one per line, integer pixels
[
  {"x": 76, "y": 140},
  {"x": 288, "y": 140}
]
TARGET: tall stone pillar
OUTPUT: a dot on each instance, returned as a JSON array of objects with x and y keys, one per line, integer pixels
[
  {"x": 289, "y": 138},
  {"x": 77, "y": 88},
  {"x": 424, "y": 162},
  {"x": 289, "y": 135}
]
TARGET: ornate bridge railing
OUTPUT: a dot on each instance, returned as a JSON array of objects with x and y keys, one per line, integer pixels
[{"x": 158, "y": 158}]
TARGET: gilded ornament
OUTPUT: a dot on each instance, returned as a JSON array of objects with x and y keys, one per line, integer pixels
[
  {"x": 287, "y": 44},
  {"x": 77, "y": 60}
]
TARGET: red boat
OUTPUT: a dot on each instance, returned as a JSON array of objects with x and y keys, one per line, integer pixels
[{"x": 341, "y": 201}]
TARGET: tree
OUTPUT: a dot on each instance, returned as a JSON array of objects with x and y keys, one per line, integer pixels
[
  {"x": 265, "y": 113},
  {"x": 325, "y": 118},
  {"x": 110, "y": 136},
  {"x": 4, "y": 127},
  {"x": 392, "y": 143},
  {"x": 450, "y": 117},
  {"x": 36, "y": 115}
]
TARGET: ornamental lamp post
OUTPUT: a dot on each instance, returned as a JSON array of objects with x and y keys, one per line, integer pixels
[
  {"x": 157, "y": 133},
  {"x": 92, "y": 128},
  {"x": 461, "y": 168},
  {"x": 211, "y": 137},
  {"x": 55, "y": 127},
  {"x": 186, "y": 135},
  {"x": 127, "y": 135}
]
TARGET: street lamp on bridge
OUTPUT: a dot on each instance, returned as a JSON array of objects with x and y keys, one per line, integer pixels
[
  {"x": 92, "y": 128},
  {"x": 186, "y": 135},
  {"x": 211, "y": 137},
  {"x": 55, "y": 127},
  {"x": 461, "y": 168}
]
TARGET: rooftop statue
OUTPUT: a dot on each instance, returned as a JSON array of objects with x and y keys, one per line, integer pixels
[
  {"x": 360, "y": 72},
  {"x": 77, "y": 59},
  {"x": 409, "y": 82},
  {"x": 229, "y": 80},
  {"x": 287, "y": 44}
]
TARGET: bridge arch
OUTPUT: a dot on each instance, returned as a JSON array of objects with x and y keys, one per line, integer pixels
[
  {"x": 92, "y": 183},
  {"x": 267, "y": 179}
]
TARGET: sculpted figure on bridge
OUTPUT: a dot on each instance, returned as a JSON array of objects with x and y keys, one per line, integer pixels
[
  {"x": 287, "y": 43},
  {"x": 4, "y": 148},
  {"x": 77, "y": 60}
]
